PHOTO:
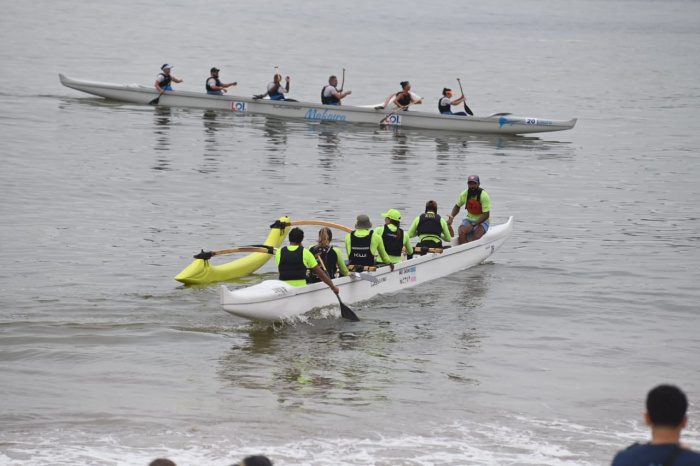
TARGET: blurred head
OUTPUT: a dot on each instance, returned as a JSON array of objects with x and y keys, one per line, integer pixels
[
  {"x": 296, "y": 235},
  {"x": 214, "y": 71},
  {"x": 666, "y": 406},
  {"x": 161, "y": 462},
  {"x": 405, "y": 85},
  {"x": 431, "y": 206},
  {"x": 277, "y": 78},
  {"x": 447, "y": 92},
  {"x": 325, "y": 235},
  {"x": 166, "y": 68},
  {"x": 255, "y": 460},
  {"x": 363, "y": 222},
  {"x": 333, "y": 81},
  {"x": 473, "y": 182}
]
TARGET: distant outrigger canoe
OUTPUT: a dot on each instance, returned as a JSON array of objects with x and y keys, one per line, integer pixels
[{"x": 500, "y": 123}]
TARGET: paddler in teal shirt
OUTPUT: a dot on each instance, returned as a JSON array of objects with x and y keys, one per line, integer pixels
[
  {"x": 295, "y": 259},
  {"x": 393, "y": 238},
  {"x": 362, "y": 246}
]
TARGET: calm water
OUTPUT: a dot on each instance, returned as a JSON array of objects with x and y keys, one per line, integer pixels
[{"x": 541, "y": 356}]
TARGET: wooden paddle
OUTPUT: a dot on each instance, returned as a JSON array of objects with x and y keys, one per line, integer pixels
[
  {"x": 466, "y": 109},
  {"x": 206, "y": 255},
  {"x": 342, "y": 83},
  {"x": 345, "y": 311},
  {"x": 321, "y": 223}
]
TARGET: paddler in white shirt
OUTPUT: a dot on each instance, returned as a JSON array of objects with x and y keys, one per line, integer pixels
[{"x": 402, "y": 99}]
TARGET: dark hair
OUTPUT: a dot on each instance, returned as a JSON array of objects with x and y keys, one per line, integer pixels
[
  {"x": 666, "y": 406},
  {"x": 256, "y": 460},
  {"x": 403, "y": 84},
  {"x": 444, "y": 90},
  {"x": 296, "y": 235},
  {"x": 161, "y": 462},
  {"x": 431, "y": 206},
  {"x": 332, "y": 77}
]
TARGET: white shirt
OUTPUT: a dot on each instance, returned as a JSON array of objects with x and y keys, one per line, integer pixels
[{"x": 281, "y": 90}]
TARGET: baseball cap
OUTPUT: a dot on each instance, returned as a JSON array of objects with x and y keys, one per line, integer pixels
[
  {"x": 392, "y": 214},
  {"x": 363, "y": 221},
  {"x": 166, "y": 66},
  {"x": 214, "y": 69},
  {"x": 474, "y": 178}
]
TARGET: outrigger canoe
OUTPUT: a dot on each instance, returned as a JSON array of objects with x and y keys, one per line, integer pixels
[
  {"x": 499, "y": 123},
  {"x": 202, "y": 272},
  {"x": 275, "y": 300}
]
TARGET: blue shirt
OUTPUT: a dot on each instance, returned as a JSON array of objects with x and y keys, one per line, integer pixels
[{"x": 654, "y": 455}]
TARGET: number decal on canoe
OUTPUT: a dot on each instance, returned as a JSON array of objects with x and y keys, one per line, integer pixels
[
  {"x": 280, "y": 290},
  {"x": 530, "y": 121},
  {"x": 239, "y": 106}
]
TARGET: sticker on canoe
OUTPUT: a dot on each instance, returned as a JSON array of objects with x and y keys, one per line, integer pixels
[
  {"x": 239, "y": 106},
  {"x": 313, "y": 114},
  {"x": 502, "y": 121},
  {"x": 392, "y": 119},
  {"x": 407, "y": 275}
]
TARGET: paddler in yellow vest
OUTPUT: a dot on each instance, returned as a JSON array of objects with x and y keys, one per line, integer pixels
[
  {"x": 430, "y": 228},
  {"x": 478, "y": 205},
  {"x": 295, "y": 259},
  {"x": 362, "y": 246},
  {"x": 393, "y": 237}
]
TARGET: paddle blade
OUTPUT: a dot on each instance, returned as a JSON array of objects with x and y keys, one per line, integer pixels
[
  {"x": 346, "y": 312},
  {"x": 468, "y": 110},
  {"x": 154, "y": 101}
]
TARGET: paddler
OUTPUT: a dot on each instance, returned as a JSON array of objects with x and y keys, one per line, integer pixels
[
  {"x": 402, "y": 99},
  {"x": 330, "y": 95},
  {"x": 362, "y": 246},
  {"x": 445, "y": 103},
  {"x": 164, "y": 79},
  {"x": 330, "y": 257},
  {"x": 430, "y": 228},
  {"x": 478, "y": 206},
  {"x": 275, "y": 89},
  {"x": 294, "y": 260},
  {"x": 394, "y": 239},
  {"x": 214, "y": 85}
]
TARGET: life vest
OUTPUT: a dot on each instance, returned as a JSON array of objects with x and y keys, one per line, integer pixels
[
  {"x": 329, "y": 100},
  {"x": 444, "y": 108},
  {"x": 166, "y": 80},
  {"x": 473, "y": 205},
  {"x": 360, "y": 253},
  {"x": 403, "y": 98},
  {"x": 429, "y": 223},
  {"x": 393, "y": 241},
  {"x": 216, "y": 81},
  {"x": 330, "y": 259},
  {"x": 291, "y": 266}
]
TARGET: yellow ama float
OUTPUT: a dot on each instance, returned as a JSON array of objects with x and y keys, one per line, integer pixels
[{"x": 201, "y": 271}]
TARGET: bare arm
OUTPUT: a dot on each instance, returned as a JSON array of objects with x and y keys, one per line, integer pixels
[{"x": 321, "y": 273}]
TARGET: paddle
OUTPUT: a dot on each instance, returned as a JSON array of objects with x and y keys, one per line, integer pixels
[
  {"x": 345, "y": 311},
  {"x": 321, "y": 223},
  {"x": 206, "y": 255},
  {"x": 155, "y": 101},
  {"x": 466, "y": 109},
  {"x": 342, "y": 83}
]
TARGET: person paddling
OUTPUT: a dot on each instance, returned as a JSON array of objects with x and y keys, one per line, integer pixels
[
  {"x": 214, "y": 85},
  {"x": 445, "y": 103},
  {"x": 165, "y": 78},
  {"x": 478, "y": 205},
  {"x": 402, "y": 99},
  {"x": 275, "y": 90},
  {"x": 430, "y": 228},
  {"x": 330, "y": 256},
  {"x": 330, "y": 95},
  {"x": 393, "y": 237},
  {"x": 362, "y": 245},
  {"x": 294, "y": 260}
]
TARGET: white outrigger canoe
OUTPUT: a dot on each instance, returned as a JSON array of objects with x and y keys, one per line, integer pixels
[
  {"x": 275, "y": 300},
  {"x": 500, "y": 123}
]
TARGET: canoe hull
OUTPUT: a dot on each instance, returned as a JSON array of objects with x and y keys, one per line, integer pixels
[
  {"x": 274, "y": 300},
  {"x": 497, "y": 124}
]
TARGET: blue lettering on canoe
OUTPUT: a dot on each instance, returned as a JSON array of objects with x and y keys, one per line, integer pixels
[
  {"x": 313, "y": 114},
  {"x": 504, "y": 121}
]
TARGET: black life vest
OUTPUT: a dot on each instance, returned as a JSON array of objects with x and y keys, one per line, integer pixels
[
  {"x": 444, "y": 108},
  {"x": 328, "y": 99},
  {"x": 360, "y": 253},
  {"x": 166, "y": 80},
  {"x": 330, "y": 259},
  {"x": 473, "y": 205},
  {"x": 404, "y": 100},
  {"x": 291, "y": 266},
  {"x": 429, "y": 223},
  {"x": 216, "y": 80},
  {"x": 393, "y": 241}
]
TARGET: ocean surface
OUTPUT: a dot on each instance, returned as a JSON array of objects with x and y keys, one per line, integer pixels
[{"x": 543, "y": 355}]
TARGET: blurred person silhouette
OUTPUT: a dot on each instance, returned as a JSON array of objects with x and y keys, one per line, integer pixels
[
  {"x": 255, "y": 460},
  {"x": 161, "y": 462}
]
